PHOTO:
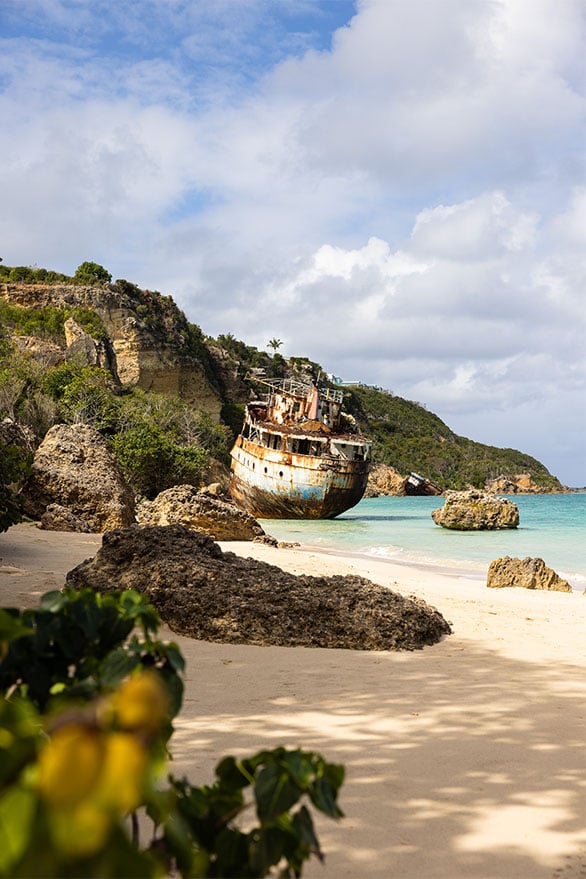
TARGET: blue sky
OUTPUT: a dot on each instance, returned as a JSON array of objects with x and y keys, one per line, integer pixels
[{"x": 394, "y": 188}]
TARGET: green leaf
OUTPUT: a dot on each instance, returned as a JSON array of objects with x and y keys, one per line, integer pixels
[
  {"x": 268, "y": 849},
  {"x": 323, "y": 796},
  {"x": 303, "y": 827},
  {"x": 173, "y": 655},
  {"x": 335, "y": 774},
  {"x": 55, "y": 600},
  {"x": 231, "y": 851},
  {"x": 230, "y": 774},
  {"x": 11, "y": 626},
  {"x": 116, "y": 666},
  {"x": 275, "y": 792},
  {"x": 300, "y": 766},
  {"x": 17, "y": 811}
]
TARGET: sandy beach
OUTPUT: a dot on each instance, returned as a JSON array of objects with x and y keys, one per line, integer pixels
[{"x": 466, "y": 759}]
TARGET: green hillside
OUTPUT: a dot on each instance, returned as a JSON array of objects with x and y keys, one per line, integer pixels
[
  {"x": 406, "y": 436},
  {"x": 409, "y": 438}
]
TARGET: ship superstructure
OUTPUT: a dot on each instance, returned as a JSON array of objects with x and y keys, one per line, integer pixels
[{"x": 298, "y": 455}]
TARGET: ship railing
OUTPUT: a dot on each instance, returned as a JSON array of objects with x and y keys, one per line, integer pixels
[
  {"x": 298, "y": 388},
  {"x": 333, "y": 395}
]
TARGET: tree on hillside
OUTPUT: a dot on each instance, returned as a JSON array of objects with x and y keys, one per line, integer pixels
[
  {"x": 275, "y": 344},
  {"x": 92, "y": 273}
]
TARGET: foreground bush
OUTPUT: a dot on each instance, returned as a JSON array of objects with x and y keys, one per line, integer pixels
[{"x": 89, "y": 696}]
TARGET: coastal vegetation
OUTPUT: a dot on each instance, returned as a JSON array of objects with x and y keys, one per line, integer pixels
[
  {"x": 410, "y": 438},
  {"x": 89, "y": 698},
  {"x": 160, "y": 438}
]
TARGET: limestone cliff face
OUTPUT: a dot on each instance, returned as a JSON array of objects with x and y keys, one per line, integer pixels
[
  {"x": 520, "y": 483},
  {"x": 148, "y": 345}
]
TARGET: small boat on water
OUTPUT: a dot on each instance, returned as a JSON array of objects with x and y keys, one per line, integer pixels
[{"x": 298, "y": 455}]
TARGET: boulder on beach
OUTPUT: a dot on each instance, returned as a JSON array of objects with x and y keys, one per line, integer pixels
[
  {"x": 476, "y": 510},
  {"x": 201, "y": 511},
  {"x": 58, "y": 518},
  {"x": 74, "y": 469},
  {"x": 528, "y": 573},
  {"x": 211, "y": 595}
]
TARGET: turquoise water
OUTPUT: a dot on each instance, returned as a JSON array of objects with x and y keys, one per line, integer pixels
[{"x": 552, "y": 527}]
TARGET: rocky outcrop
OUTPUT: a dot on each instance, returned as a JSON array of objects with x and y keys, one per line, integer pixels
[
  {"x": 384, "y": 481},
  {"x": 205, "y": 593},
  {"x": 58, "y": 518},
  {"x": 148, "y": 345},
  {"x": 199, "y": 511},
  {"x": 74, "y": 468},
  {"x": 521, "y": 483},
  {"x": 43, "y": 351},
  {"x": 476, "y": 510},
  {"x": 528, "y": 573},
  {"x": 87, "y": 350}
]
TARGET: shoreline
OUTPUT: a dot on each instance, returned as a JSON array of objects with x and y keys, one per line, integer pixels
[
  {"x": 467, "y": 569},
  {"x": 402, "y": 532},
  {"x": 464, "y": 760}
]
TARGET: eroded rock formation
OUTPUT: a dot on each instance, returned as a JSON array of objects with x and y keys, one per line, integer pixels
[
  {"x": 520, "y": 483},
  {"x": 476, "y": 510},
  {"x": 205, "y": 593},
  {"x": 200, "y": 511},
  {"x": 384, "y": 481},
  {"x": 148, "y": 344},
  {"x": 528, "y": 573},
  {"x": 74, "y": 469}
]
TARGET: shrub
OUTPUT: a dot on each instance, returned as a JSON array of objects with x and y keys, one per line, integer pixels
[
  {"x": 89, "y": 696},
  {"x": 15, "y": 463},
  {"x": 152, "y": 461},
  {"x": 91, "y": 273}
]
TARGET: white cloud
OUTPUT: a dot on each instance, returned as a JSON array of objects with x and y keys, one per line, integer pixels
[{"x": 406, "y": 205}]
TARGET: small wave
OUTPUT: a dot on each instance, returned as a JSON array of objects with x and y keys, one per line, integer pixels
[
  {"x": 400, "y": 555},
  {"x": 577, "y": 581},
  {"x": 382, "y": 551}
]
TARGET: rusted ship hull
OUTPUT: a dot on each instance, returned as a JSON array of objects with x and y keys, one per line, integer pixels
[{"x": 274, "y": 484}]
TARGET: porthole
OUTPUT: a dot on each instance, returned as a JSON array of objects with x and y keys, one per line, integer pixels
[
  {"x": 281, "y": 473},
  {"x": 266, "y": 471}
]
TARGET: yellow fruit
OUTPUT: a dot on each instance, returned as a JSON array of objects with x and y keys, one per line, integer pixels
[
  {"x": 70, "y": 764},
  {"x": 142, "y": 703},
  {"x": 124, "y": 772},
  {"x": 80, "y": 831}
]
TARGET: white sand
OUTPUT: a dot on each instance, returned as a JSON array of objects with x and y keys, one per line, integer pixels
[{"x": 466, "y": 759}]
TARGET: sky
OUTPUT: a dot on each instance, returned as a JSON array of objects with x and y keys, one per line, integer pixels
[{"x": 395, "y": 189}]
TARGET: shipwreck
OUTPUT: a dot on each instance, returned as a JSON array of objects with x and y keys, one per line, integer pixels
[{"x": 298, "y": 456}]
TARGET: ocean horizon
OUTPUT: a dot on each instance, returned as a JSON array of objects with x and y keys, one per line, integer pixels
[{"x": 400, "y": 529}]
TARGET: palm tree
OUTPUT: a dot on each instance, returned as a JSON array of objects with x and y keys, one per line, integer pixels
[{"x": 274, "y": 344}]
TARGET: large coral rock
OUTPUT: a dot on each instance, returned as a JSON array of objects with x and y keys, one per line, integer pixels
[
  {"x": 528, "y": 573},
  {"x": 203, "y": 592},
  {"x": 58, "y": 518},
  {"x": 74, "y": 468},
  {"x": 384, "y": 481},
  {"x": 185, "y": 505},
  {"x": 476, "y": 510}
]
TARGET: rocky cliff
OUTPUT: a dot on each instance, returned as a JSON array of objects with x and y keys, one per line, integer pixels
[{"x": 146, "y": 342}]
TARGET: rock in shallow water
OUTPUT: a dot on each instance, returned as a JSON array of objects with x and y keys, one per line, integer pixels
[
  {"x": 212, "y": 595},
  {"x": 476, "y": 510}
]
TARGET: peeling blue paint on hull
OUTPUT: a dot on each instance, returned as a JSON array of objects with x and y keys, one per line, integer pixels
[{"x": 277, "y": 485}]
